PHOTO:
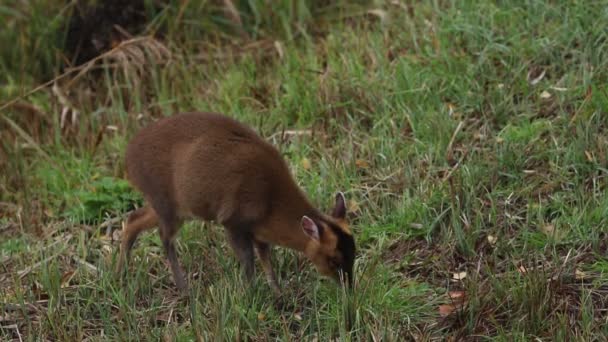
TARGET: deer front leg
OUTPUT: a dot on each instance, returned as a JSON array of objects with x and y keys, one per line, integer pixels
[{"x": 263, "y": 251}]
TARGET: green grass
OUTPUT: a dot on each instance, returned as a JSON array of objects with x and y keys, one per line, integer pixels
[{"x": 454, "y": 154}]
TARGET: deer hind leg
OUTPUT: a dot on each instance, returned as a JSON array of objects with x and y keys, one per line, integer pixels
[
  {"x": 169, "y": 225},
  {"x": 263, "y": 250},
  {"x": 138, "y": 221}
]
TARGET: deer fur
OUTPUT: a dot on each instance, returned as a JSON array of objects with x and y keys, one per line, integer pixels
[{"x": 211, "y": 167}]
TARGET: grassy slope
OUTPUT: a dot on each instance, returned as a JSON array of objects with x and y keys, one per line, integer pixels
[{"x": 453, "y": 160}]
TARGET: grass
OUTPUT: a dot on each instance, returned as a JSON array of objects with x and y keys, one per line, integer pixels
[{"x": 469, "y": 138}]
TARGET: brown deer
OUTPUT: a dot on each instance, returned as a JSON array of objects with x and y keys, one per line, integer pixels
[{"x": 212, "y": 167}]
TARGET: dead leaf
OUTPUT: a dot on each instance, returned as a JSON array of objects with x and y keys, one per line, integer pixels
[
  {"x": 362, "y": 164},
  {"x": 492, "y": 239},
  {"x": 522, "y": 269},
  {"x": 353, "y": 206},
  {"x": 457, "y": 296},
  {"x": 4, "y": 320},
  {"x": 305, "y": 163},
  {"x": 66, "y": 277},
  {"x": 105, "y": 238},
  {"x": 447, "y": 309},
  {"x": 279, "y": 47},
  {"x": 548, "y": 229},
  {"x": 107, "y": 249},
  {"x": 536, "y": 79},
  {"x": 164, "y": 316},
  {"x": 450, "y": 109},
  {"x": 380, "y": 13},
  {"x": 580, "y": 275},
  {"x": 297, "y": 316},
  {"x": 459, "y": 275},
  {"x": 39, "y": 291},
  {"x": 589, "y": 156},
  {"x": 545, "y": 95},
  {"x": 117, "y": 235},
  {"x": 458, "y": 300},
  {"x": 261, "y": 316}
]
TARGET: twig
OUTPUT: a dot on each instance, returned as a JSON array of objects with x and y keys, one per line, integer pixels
[
  {"x": 123, "y": 31},
  {"x": 86, "y": 264},
  {"x": 10, "y": 205},
  {"x": 29, "y": 269},
  {"x": 456, "y": 166},
  {"x": 67, "y": 106},
  {"x": 385, "y": 178},
  {"x": 456, "y": 131},
  {"x": 235, "y": 17},
  {"x": 81, "y": 69},
  {"x": 265, "y": 46},
  {"x": 16, "y": 327},
  {"x": 4, "y": 259},
  {"x": 170, "y": 315},
  {"x": 9, "y": 307},
  {"x": 85, "y": 67},
  {"x": 290, "y": 132},
  {"x": 563, "y": 266},
  {"x": 20, "y": 131},
  {"x": 110, "y": 222},
  {"x": 580, "y": 108}
]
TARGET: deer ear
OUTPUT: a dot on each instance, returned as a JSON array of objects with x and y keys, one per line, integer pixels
[
  {"x": 310, "y": 228},
  {"x": 340, "y": 206}
]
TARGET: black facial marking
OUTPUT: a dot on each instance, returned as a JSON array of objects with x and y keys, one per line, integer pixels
[{"x": 346, "y": 246}]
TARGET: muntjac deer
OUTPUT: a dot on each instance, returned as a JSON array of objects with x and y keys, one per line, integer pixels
[{"x": 212, "y": 167}]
